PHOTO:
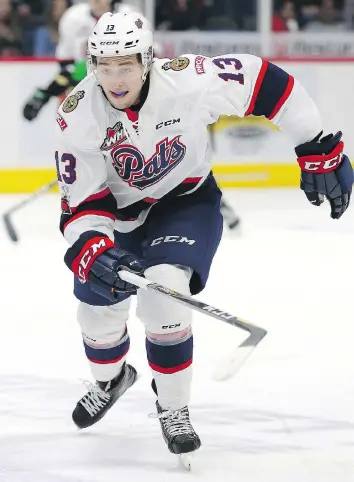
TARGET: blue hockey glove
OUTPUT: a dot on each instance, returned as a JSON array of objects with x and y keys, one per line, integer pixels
[
  {"x": 326, "y": 172},
  {"x": 96, "y": 259}
]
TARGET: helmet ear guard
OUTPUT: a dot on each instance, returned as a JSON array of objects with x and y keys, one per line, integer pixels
[{"x": 121, "y": 34}]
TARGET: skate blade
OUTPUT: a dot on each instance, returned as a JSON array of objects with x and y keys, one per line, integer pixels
[{"x": 185, "y": 461}]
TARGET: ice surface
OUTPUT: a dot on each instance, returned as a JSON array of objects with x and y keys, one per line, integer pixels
[{"x": 286, "y": 417}]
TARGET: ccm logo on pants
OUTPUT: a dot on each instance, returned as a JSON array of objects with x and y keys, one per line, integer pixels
[{"x": 173, "y": 239}]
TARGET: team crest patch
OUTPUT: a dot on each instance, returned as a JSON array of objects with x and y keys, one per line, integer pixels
[
  {"x": 114, "y": 136},
  {"x": 72, "y": 101},
  {"x": 180, "y": 63}
]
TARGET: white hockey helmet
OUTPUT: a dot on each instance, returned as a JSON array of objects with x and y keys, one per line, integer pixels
[{"x": 120, "y": 34}]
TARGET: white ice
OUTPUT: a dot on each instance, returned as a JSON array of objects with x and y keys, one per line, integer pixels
[{"x": 288, "y": 416}]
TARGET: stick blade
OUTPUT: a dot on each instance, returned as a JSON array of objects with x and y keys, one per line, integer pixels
[
  {"x": 10, "y": 228},
  {"x": 230, "y": 365}
]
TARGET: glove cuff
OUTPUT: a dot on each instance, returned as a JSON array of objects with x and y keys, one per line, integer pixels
[
  {"x": 80, "y": 257},
  {"x": 322, "y": 164}
]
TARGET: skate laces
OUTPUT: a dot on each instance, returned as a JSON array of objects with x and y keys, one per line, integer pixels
[
  {"x": 176, "y": 422},
  {"x": 95, "y": 399}
]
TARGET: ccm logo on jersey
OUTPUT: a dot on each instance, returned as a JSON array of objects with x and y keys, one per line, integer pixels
[
  {"x": 172, "y": 239},
  {"x": 167, "y": 123},
  {"x": 83, "y": 265},
  {"x": 316, "y": 164},
  {"x": 132, "y": 167}
]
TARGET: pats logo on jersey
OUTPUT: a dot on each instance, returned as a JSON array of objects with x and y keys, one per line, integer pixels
[
  {"x": 132, "y": 167},
  {"x": 115, "y": 135}
]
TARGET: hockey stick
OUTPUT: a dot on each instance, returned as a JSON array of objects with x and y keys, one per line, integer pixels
[
  {"x": 11, "y": 231},
  {"x": 231, "y": 218},
  {"x": 256, "y": 334}
]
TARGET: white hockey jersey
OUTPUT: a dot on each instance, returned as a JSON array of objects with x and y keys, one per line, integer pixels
[
  {"x": 114, "y": 165},
  {"x": 75, "y": 26}
]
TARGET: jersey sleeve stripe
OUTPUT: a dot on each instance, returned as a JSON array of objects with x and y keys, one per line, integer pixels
[
  {"x": 283, "y": 98},
  {"x": 99, "y": 204},
  {"x": 191, "y": 180},
  {"x": 257, "y": 87},
  {"x": 150, "y": 200},
  {"x": 98, "y": 195},
  {"x": 272, "y": 93}
]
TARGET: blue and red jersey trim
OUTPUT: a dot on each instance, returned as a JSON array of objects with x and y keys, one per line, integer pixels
[{"x": 272, "y": 89}]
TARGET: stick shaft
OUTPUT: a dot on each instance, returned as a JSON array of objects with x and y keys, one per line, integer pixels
[
  {"x": 32, "y": 197},
  {"x": 9, "y": 225},
  {"x": 256, "y": 332}
]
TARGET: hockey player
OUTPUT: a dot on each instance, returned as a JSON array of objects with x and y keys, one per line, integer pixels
[
  {"x": 75, "y": 27},
  {"x": 134, "y": 166}
]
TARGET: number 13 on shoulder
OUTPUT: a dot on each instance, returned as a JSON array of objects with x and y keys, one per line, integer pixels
[{"x": 222, "y": 62}]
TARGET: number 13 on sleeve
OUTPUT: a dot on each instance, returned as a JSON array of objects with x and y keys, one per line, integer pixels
[{"x": 222, "y": 62}]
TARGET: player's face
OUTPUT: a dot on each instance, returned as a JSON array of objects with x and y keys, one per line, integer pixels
[
  {"x": 120, "y": 78},
  {"x": 99, "y": 7},
  {"x": 58, "y": 8}
]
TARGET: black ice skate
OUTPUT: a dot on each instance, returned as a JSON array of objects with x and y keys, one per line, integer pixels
[
  {"x": 177, "y": 430},
  {"x": 101, "y": 396}
]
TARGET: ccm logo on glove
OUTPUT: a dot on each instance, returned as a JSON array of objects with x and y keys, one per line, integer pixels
[
  {"x": 91, "y": 250},
  {"x": 322, "y": 163}
]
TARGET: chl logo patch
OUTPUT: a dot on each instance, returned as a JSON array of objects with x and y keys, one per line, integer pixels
[
  {"x": 180, "y": 63},
  {"x": 132, "y": 167},
  {"x": 72, "y": 101}
]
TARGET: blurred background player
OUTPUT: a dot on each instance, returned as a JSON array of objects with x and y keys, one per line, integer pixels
[{"x": 75, "y": 26}]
